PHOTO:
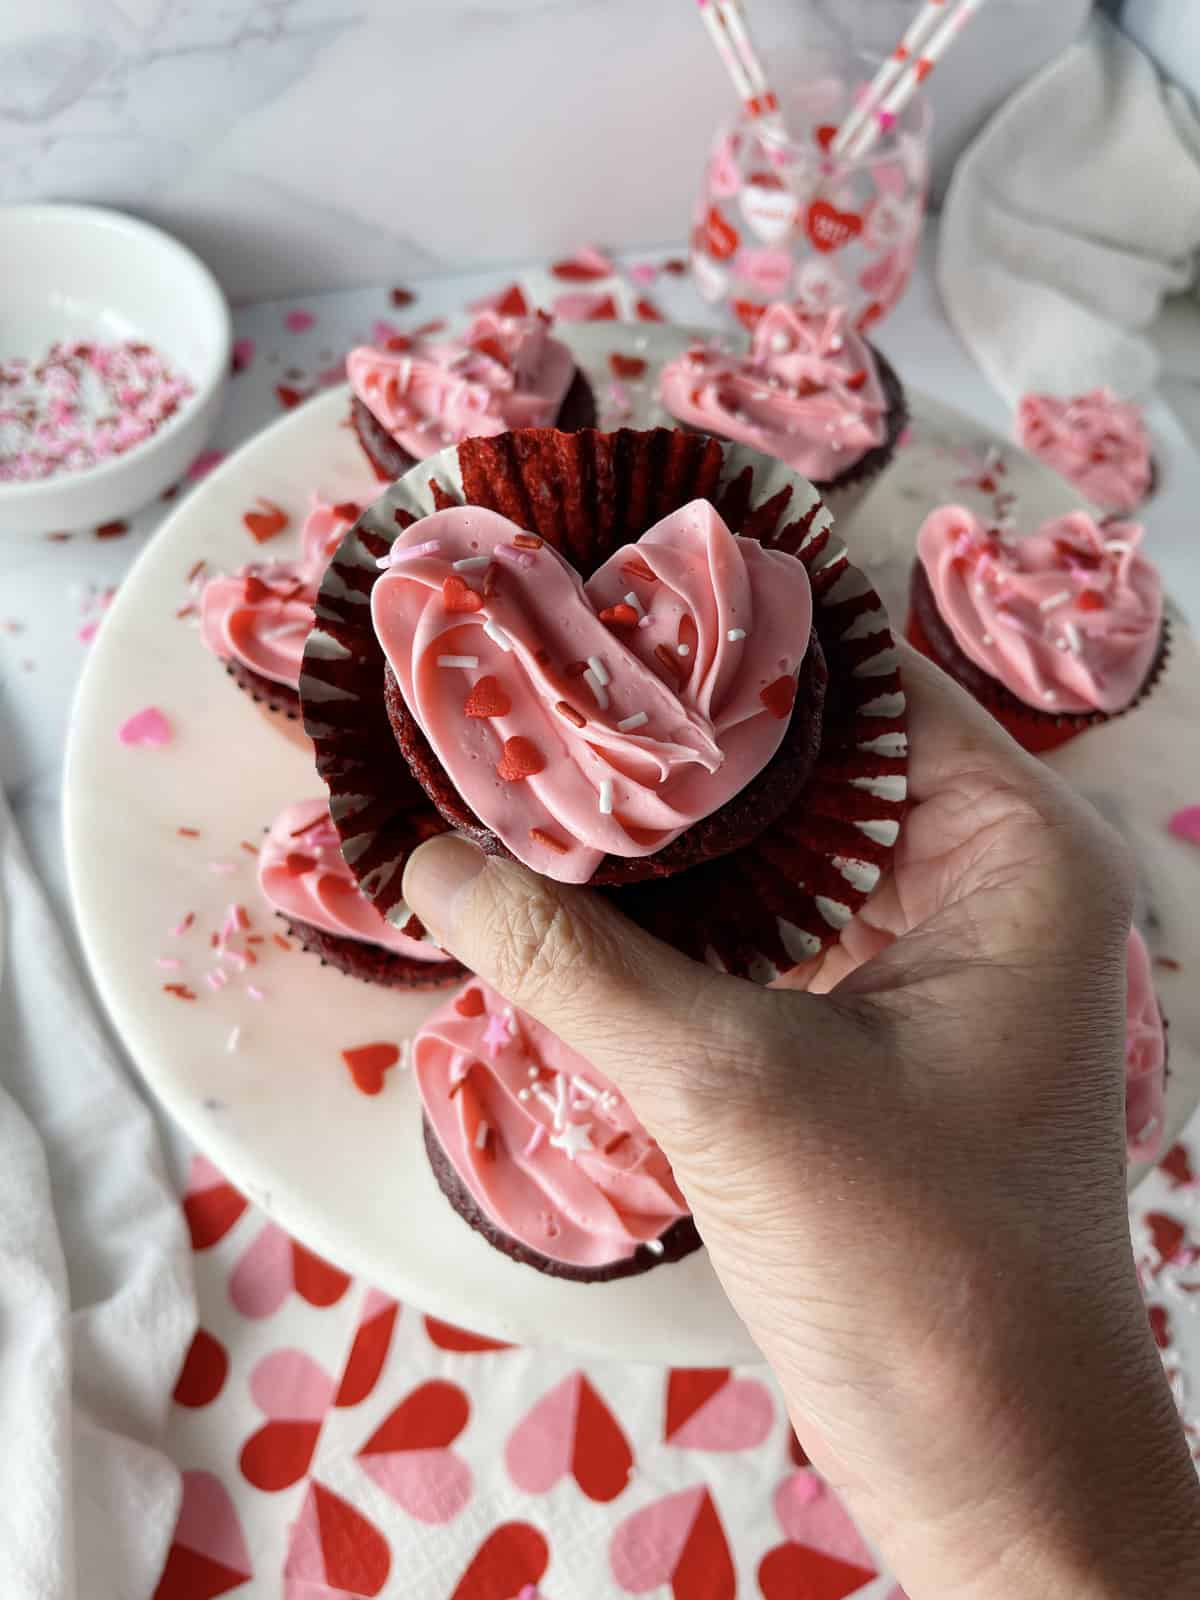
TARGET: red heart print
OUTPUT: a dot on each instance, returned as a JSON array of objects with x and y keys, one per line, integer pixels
[
  {"x": 647, "y": 311},
  {"x": 316, "y": 1281},
  {"x": 720, "y": 237},
  {"x": 779, "y": 696},
  {"x": 1166, "y": 1236},
  {"x": 203, "y": 1374},
  {"x": 272, "y": 1266},
  {"x": 377, "y": 1321},
  {"x": 447, "y": 1337},
  {"x": 748, "y": 313},
  {"x": 830, "y": 229},
  {"x": 294, "y": 1393},
  {"x": 825, "y": 134},
  {"x": 710, "y": 1409},
  {"x": 791, "y": 1571},
  {"x": 470, "y": 1003},
  {"x": 570, "y": 1430},
  {"x": 487, "y": 699},
  {"x": 623, "y": 366},
  {"x": 1178, "y": 1166},
  {"x": 279, "y": 1454},
  {"x": 333, "y": 1544},
  {"x": 577, "y": 271},
  {"x": 208, "y": 1555},
  {"x": 409, "y": 1458},
  {"x": 1160, "y": 1326},
  {"x": 677, "y": 1540},
  {"x": 265, "y": 523},
  {"x": 368, "y": 1063},
  {"x": 211, "y": 1205},
  {"x": 513, "y": 1556},
  {"x": 521, "y": 759},
  {"x": 458, "y": 596}
]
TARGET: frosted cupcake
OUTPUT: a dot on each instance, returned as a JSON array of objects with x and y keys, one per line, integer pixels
[
  {"x": 1095, "y": 441},
  {"x": 812, "y": 393},
  {"x": 303, "y": 877},
  {"x": 413, "y": 397},
  {"x": 1053, "y": 633},
  {"x": 538, "y": 1151}
]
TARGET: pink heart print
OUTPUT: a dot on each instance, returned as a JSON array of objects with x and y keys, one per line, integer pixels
[{"x": 679, "y": 1541}]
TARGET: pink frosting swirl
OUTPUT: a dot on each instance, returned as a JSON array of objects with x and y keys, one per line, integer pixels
[
  {"x": 1067, "y": 619},
  {"x": 1095, "y": 441},
  {"x": 505, "y": 372},
  {"x": 578, "y": 719},
  {"x": 301, "y": 873},
  {"x": 548, "y": 1148},
  {"x": 1145, "y": 1055},
  {"x": 808, "y": 393},
  {"x": 261, "y": 614}
]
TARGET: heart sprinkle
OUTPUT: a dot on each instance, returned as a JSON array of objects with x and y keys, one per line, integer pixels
[
  {"x": 146, "y": 727},
  {"x": 521, "y": 759}
]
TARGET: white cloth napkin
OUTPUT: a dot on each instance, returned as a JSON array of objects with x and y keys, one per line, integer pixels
[
  {"x": 96, "y": 1301},
  {"x": 1070, "y": 219}
]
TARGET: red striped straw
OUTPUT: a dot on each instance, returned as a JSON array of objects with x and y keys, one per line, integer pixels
[{"x": 730, "y": 34}]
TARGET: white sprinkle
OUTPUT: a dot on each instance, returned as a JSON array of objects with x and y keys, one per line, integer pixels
[
  {"x": 736, "y": 635},
  {"x": 683, "y": 649},
  {"x": 481, "y": 1134},
  {"x": 523, "y": 1094},
  {"x": 836, "y": 343},
  {"x": 405, "y": 1061},
  {"x": 599, "y": 669},
  {"x": 472, "y": 563},
  {"x": 254, "y": 992},
  {"x": 1121, "y": 546},
  {"x": 987, "y": 639},
  {"x": 1048, "y": 694},
  {"x": 560, "y": 1100},
  {"x": 216, "y": 979},
  {"x": 1074, "y": 639},
  {"x": 606, "y": 796},
  {"x": 643, "y": 622},
  {"x": 533, "y": 1072},
  {"x": 980, "y": 590},
  {"x": 583, "y": 1087},
  {"x": 780, "y": 342},
  {"x": 497, "y": 634},
  {"x": 597, "y": 688},
  {"x": 632, "y": 600},
  {"x": 1058, "y": 598},
  {"x": 1060, "y": 644},
  {"x": 514, "y": 557},
  {"x": 637, "y": 720},
  {"x": 458, "y": 661},
  {"x": 655, "y": 1246},
  {"x": 169, "y": 963},
  {"x": 409, "y": 553},
  {"x": 231, "y": 1043},
  {"x": 223, "y": 868}
]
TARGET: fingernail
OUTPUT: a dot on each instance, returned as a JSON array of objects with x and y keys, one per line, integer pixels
[{"x": 438, "y": 874}]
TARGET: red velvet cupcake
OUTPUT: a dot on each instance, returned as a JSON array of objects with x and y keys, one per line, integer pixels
[
  {"x": 1054, "y": 633},
  {"x": 414, "y": 396},
  {"x": 302, "y": 877},
  {"x": 638, "y": 660}
]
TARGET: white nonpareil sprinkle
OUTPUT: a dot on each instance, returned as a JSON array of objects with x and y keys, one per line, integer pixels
[
  {"x": 458, "y": 661},
  {"x": 497, "y": 634},
  {"x": 637, "y": 720},
  {"x": 533, "y": 1072},
  {"x": 472, "y": 563},
  {"x": 1074, "y": 638},
  {"x": 1121, "y": 546},
  {"x": 632, "y": 600},
  {"x": 655, "y": 1246},
  {"x": 736, "y": 635},
  {"x": 599, "y": 669},
  {"x": 522, "y": 1094},
  {"x": 606, "y": 796},
  {"x": 987, "y": 639},
  {"x": 481, "y": 1134},
  {"x": 1058, "y": 598},
  {"x": 1048, "y": 694},
  {"x": 235, "y": 1034},
  {"x": 683, "y": 649},
  {"x": 597, "y": 688}
]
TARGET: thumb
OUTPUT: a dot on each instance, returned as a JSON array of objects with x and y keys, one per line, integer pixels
[{"x": 664, "y": 1029}]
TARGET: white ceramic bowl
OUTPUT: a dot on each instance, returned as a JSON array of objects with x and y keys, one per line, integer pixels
[{"x": 81, "y": 272}]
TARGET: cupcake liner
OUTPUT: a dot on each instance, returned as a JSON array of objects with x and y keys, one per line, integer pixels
[
  {"x": 845, "y": 492},
  {"x": 370, "y": 963},
  {"x": 279, "y": 703},
  {"x": 1039, "y": 732},
  {"x": 757, "y": 911}
]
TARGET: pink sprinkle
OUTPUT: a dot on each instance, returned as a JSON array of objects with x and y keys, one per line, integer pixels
[
  {"x": 382, "y": 330},
  {"x": 222, "y": 868},
  {"x": 204, "y": 463},
  {"x": 887, "y": 120},
  {"x": 243, "y": 354},
  {"x": 644, "y": 273},
  {"x": 1185, "y": 825},
  {"x": 88, "y": 632},
  {"x": 535, "y": 1141},
  {"x": 514, "y": 558},
  {"x": 148, "y": 727},
  {"x": 216, "y": 979},
  {"x": 394, "y": 556},
  {"x": 299, "y": 321},
  {"x": 618, "y": 399},
  {"x": 169, "y": 963},
  {"x": 254, "y": 992},
  {"x": 183, "y": 925},
  {"x": 905, "y": 438}
]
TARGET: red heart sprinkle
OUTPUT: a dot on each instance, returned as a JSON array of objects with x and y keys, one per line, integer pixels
[
  {"x": 470, "y": 1003},
  {"x": 521, "y": 759},
  {"x": 676, "y": 266},
  {"x": 112, "y": 530},
  {"x": 266, "y": 523},
  {"x": 635, "y": 567},
  {"x": 621, "y": 615},
  {"x": 297, "y": 863},
  {"x": 368, "y": 1063},
  {"x": 857, "y": 379},
  {"x": 287, "y": 396},
  {"x": 826, "y": 134},
  {"x": 487, "y": 699},
  {"x": 1090, "y": 600},
  {"x": 488, "y": 345},
  {"x": 256, "y": 590},
  {"x": 512, "y": 303},
  {"x": 458, "y": 596},
  {"x": 779, "y": 696},
  {"x": 626, "y": 366},
  {"x": 398, "y": 342},
  {"x": 401, "y": 298},
  {"x": 347, "y": 510}
]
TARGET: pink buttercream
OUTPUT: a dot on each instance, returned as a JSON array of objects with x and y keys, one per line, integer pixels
[
  {"x": 323, "y": 892},
  {"x": 324, "y": 529},
  {"x": 505, "y": 372},
  {"x": 1145, "y": 1055},
  {"x": 808, "y": 393},
  {"x": 1067, "y": 619},
  {"x": 549, "y": 1150},
  {"x": 1097, "y": 442},
  {"x": 574, "y": 775}
]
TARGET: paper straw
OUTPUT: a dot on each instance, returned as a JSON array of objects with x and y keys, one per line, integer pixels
[
  {"x": 918, "y": 31},
  {"x": 730, "y": 34},
  {"x": 710, "y": 15}
]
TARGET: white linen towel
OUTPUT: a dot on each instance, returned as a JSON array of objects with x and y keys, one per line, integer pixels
[
  {"x": 1070, "y": 219},
  {"x": 96, "y": 1300}
]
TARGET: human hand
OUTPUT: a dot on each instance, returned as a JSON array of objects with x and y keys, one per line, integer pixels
[{"x": 910, "y": 1177}]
